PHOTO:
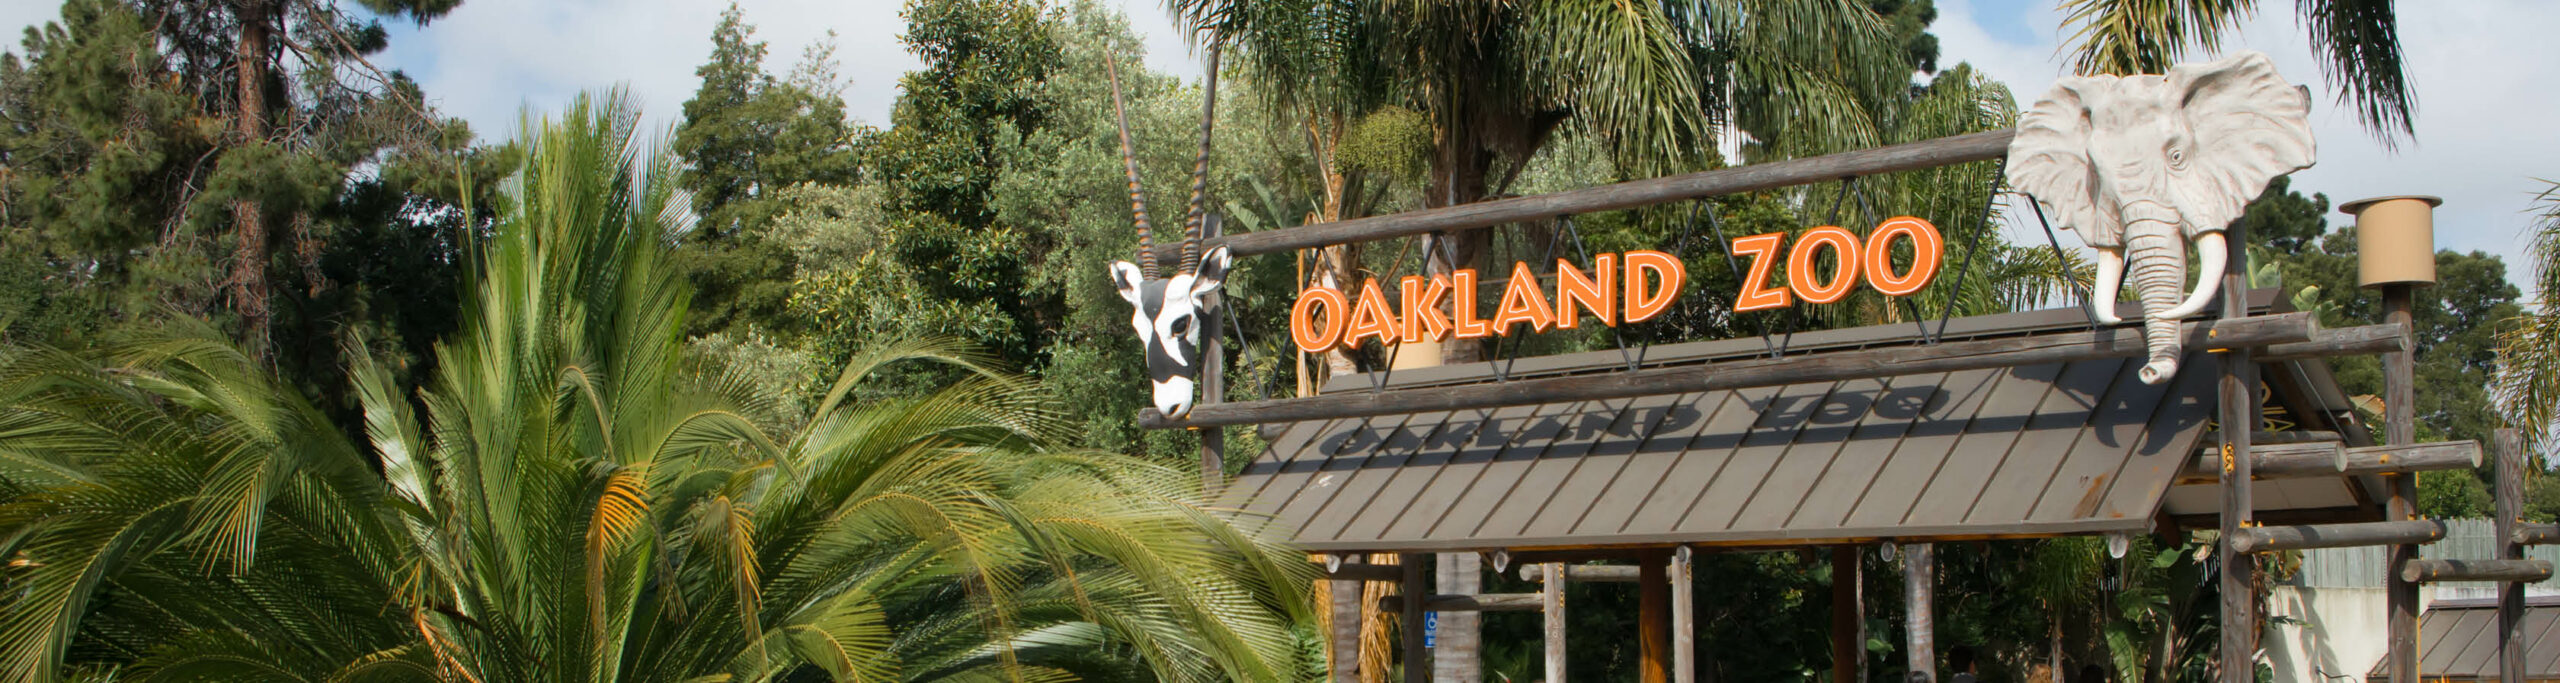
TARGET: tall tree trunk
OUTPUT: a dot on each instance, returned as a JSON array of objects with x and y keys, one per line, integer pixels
[
  {"x": 249, "y": 257},
  {"x": 1457, "y": 177}
]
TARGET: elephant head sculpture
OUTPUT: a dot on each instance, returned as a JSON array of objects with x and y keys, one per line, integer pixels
[{"x": 2139, "y": 166}]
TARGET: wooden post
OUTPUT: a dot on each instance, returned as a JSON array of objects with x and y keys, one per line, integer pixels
[
  {"x": 2511, "y": 643},
  {"x": 1684, "y": 618},
  {"x": 1213, "y": 386},
  {"x": 1848, "y": 616},
  {"x": 2239, "y": 418},
  {"x": 1653, "y": 619},
  {"x": 2400, "y": 427},
  {"x": 1552, "y": 599},
  {"x": 1416, "y": 587},
  {"x": 1920, "y": 627},
  {"x": 1343, "y": 639}
]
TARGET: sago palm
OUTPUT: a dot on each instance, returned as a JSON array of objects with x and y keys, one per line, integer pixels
[{"x": 566, "y": 499}]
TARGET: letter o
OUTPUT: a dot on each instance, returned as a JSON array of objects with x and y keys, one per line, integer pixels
[
  {"x": 1800, "y": 268},
  {"x": 1927, "y": 248},
  {"x": 1303, "y": 327}
]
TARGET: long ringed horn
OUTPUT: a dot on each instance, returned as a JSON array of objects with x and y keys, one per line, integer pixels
[
  {"x": 1129, "y": 158},
  {"x": 1196, "y": 218}
]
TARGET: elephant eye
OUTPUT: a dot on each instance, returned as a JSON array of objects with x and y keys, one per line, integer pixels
[{"x": 2177, "y": 157}]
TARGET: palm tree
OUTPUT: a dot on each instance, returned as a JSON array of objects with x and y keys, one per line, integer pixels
[
  {"x": 2358, "y": 42},
  {"x": 2528, "y": 382},
  {"x": 567, "y": 500}
]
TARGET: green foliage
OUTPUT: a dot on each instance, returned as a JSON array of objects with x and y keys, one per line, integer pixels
[
  {"x": 748, "y": 137},
  {"x": 2358, "y": 42},
  {"x": 569, "y": 499},
  {"x": 119, "y": 165}
]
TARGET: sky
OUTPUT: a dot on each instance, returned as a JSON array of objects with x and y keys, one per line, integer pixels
[{"x": 2484, "y": 72}]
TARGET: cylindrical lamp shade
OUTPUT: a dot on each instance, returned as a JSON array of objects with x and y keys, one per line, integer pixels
[{"x": 2395, "y": 239}]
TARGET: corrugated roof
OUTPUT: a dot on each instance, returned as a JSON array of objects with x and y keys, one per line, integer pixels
[
  {"x": 2037, "y": 450},
  {"x": 2458, "y": 641}
]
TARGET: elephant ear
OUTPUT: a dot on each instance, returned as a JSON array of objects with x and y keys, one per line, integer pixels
[
  {"x": 2049, "y": 160},
  {"x": 2248, "y": 126}
]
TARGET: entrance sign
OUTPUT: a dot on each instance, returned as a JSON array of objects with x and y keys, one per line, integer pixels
[
  {"x": 1632, "y": 287},
  {"x": 1854, "y": 260}
]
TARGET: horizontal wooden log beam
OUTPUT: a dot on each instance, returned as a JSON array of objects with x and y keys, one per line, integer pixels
[
  {"x": 2267, "y": 539},
  {"x": 1834, "y": 366},
  {"x": 1487, "y": 602},
  {"x": 2362, "y": 340},
  {"x": 2263, "y": 438},
  {"x": 2537, "y": 534},
  {"x": 2439, "y": 571},
  {"x": 2278, "y": 461},
  {"x": 1627, "y": 195},
  {"x": 1613, "y": 573},
  {"x": 1387, "y": 573},
  {"x": 2416, "y": 457}
]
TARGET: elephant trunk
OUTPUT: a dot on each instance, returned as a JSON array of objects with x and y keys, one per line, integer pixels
[{"x": 2158, "y": 275}]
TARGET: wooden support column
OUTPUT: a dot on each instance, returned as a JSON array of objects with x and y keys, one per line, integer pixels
[
  {"x": 1551, "y": 599},
  {"x": 1416, "y": 587},
  {"x": 1848, "y": 616},
  {"x": 2239, "y": 419},
  {"x": 1213, "y": 387},
  {"x": 1653, "y": 619},
  {"x": 1342, "y": 640},
  {"x": 1456, "y": 659},
  {"x": 2399, "y": 428},
  {"x": 1920, "y": 621},
  {"x": 2510, "y": 499},
  {"x": 1684, "y": 618}
]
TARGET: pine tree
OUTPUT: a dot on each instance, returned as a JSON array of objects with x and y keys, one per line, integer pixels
[{"x": 748, "y": 136}]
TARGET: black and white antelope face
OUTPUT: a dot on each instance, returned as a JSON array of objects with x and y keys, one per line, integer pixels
[
  {"x": 1168, "y": 314},
  {"x": 1169, "y": 311}
]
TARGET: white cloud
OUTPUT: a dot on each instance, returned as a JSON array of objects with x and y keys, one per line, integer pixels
[{"x": 489, "y": 58}]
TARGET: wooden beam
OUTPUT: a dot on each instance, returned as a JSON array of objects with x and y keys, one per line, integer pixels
[
  {"x": 2263, "y": 437},
  {"x": 1381, "y": 573},
  {"x": 1462, "y": 602},
  {"x": 1551, "y": 597},
  {"x": 2400, "y": 428},
  {"x": 1684, "y": 618},
  {"x": 1919, "y": 625},
  {"x": 2437, "y": 570},
  {"x": 1627, "y": 195},
  {"x": 2344, "y": 514},
  {"x": 1836, "y": 366},
  {"x": 2537, "y": 534},
  {"x": 1417, "y": 657},
  {"x": 2278, "y": 461},
  {"x": 2268, "y": 539},
  {"x": 2240, "y": 415},
  {"x": 2304, "y": 460},
  {"x": 1605, "y": 573},
  {"x": 1848, "y": 615},
  {"x": 2510, "y": 502},
  {"x": 2415, "y": 457},
  {"x": 1653, "y": 620},
  {"x": 2362, "y": 340},
  {"x": 1342, "y": 642}
]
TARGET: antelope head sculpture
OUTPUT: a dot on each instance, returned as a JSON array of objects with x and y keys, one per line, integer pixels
[{"x": 1170, "y": 310}]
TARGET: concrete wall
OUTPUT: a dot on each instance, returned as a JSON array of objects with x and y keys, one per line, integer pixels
[{"x": 2325, "y": 635}]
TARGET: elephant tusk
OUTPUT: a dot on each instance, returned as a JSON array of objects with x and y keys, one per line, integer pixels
[
  {"x": 2208, "y": 279},
  {"x": 2110, "y": 280}
]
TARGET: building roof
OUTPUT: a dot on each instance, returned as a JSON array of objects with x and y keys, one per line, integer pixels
[
  {"x": 2458, "y": 641},
  {"x": 2039, "y": 450}
]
